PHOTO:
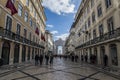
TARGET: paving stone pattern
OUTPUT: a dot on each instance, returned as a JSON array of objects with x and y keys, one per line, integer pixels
[{"x": 60, "y": 70}]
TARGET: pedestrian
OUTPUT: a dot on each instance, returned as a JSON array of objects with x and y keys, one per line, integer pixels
[
  {"x": 51, "y": 59},
  {"x": 36, "y": 59},
  {"x": 41, "y": 59},
  {"x": 82, "y": 58},
  {"x": 105, "y": 60},
  {"x": 47, "y": 58},
  {"x": 86, "y": 58},
  {"x": 72, "y": 58},
  {"x": 76, "y": 58}
]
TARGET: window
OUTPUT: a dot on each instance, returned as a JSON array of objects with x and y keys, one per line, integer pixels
[
  {"x": 31, "y": 9},
  {"x": 110, "y": 25},
  {"x": 33, "y": 38},
  {"x": 34, "y": 14},
  {"x": 27, "y": 2},
  {"x": 101, "y": 31},
  {"x": 88, "y": 9},
  {"x": 99, "y": 9},
  {"x": 92, "y": 3},
  {"x": 108, "y": 3},
  {"x": 89, "y": 36},
  {"x": 93, "y": 17},
  {"x": 25, "y": 33},
  {"x": 8, "y": 23},
  {"x": 26, "y": 17},
  {"x": 30, "y": 36},
  {"x": 20, "y": 10},
  {"x": 18, "y": 29},
  {"x": 85, "y": 26},
  {"x": 31, "y": 22},
  {"x": 94, "y": 33},
  {"x": 89, "y": 22}
]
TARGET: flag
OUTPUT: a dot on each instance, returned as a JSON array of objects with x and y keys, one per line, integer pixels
[
  {"x": 11, "y": 6},
  {"x": 42, "y": 37},
  {"x": 37, "y": 31}
]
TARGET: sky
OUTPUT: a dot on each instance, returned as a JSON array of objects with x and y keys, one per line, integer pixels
[{"x": 60, "y": 16}]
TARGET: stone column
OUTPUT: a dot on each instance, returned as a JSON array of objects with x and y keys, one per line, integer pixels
[
  {"x": 26, "y": 54},
  {"x": 88, "y": 55},
  {"x": 1, "y": 48},
  {"x": 20, "y": 54},
  {"x": 99, "y": 55},
  {"x": 31, "y": 48},
  {"x": 11, "y": 58}
]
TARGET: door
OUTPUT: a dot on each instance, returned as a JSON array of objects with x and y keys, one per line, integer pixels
[
  {"x": 16, "y": 54},
  {"x": 102, "y": 53},
  {"x": 5, "y": 53},
  {"x": 23, "y": 53}
]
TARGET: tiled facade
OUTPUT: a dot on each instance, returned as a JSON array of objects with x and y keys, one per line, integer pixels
[
  {"x": 97, "y": 31},
  {"x": 18, "y": 39}
]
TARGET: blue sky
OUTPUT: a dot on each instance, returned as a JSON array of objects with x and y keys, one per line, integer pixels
[{"x": 60, "y": 16}]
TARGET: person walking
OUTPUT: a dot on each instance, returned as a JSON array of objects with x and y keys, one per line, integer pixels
[
  {"x": 51, "y": 59},
  {"x": 72, "y": 58},
  {"x": 36, "y": 59},
  {"x": 86, "y": 58},
  {"x": 105, "y": 60},
  {"x": 41, "y": 59},
  {"x": 76, "y": 58},
  {"x": 47, "y": 59},
  {"x": 82, "y": 58}
]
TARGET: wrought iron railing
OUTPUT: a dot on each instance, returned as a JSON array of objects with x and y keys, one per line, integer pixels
[
  {"x": 107, "y": 36},
  {"x": 11, "y": 35}
]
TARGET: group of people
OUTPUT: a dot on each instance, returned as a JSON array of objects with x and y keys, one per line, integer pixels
[
  {"x": 39, "y": 59},
  {"x": 74, "y": 58},
  {"x": 93, "y": 59}
]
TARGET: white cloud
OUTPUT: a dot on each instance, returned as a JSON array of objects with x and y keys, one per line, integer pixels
[
  {"x": 54, "y": 32},
  {"x": 59, "y": 6},
  {"x": 50, "y": 26},
  {"x": 62, "y": 36}
]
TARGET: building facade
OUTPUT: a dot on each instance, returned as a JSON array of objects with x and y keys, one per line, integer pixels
[
  {"x": 49, "y": 43},
  {"x": 97, "y": 31},
  {"x": 20, "y": 33},
  {"x": 70, "y": 42}
]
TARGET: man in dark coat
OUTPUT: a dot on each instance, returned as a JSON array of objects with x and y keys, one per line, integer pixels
[
  {"x": 86, "y": 58},
  {"x": 41, "y": 59},
  {"x": 36, "y": 59},
  {"x": 105, "y": 60},
  {"x": 47, "y": 59},
  {"x": 76, "y": 58},
  {"x": 51, "y": 59}
]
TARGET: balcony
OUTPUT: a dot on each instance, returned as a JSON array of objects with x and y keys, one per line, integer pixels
[
  {"x": 107, "y": 36},
  {"x": 12, "y": 36}
]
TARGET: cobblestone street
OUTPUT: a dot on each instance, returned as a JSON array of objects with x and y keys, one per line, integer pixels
[{"x": 60, "y": 70}]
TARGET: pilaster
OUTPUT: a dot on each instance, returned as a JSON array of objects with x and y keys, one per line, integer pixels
[
  {"x": 12, "y": 46},
  {"x": 20, "y": 54}
]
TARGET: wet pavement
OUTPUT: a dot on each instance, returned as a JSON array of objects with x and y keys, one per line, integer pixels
[{"x": 60, "y": 70}]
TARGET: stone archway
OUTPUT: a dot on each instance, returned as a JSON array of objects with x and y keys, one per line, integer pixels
[
  {"x": 5, "y": 53},
  {"x": 59, "y": 46}
]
